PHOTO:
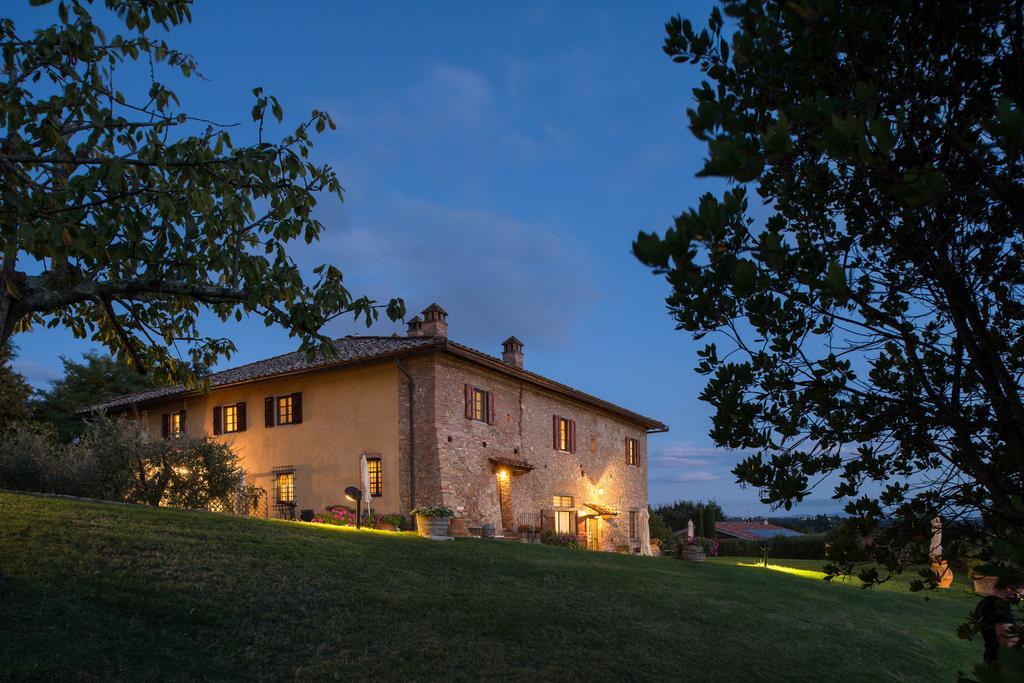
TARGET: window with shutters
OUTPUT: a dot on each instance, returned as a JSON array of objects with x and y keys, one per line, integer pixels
[
  {"x": 480, "y": 405},
  {"x": 632, "y": 452},
  {"x": 285, "y": 410},
  {"x": 376, "y": 477},
  {"x": 282, "y": 410},
  {"x": 564, "y": 434},
  {"x": 633, "y": 533}
]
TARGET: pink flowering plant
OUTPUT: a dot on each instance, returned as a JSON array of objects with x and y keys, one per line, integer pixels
[
  {"x": 336, "y": 516},
  {"x": 709, "y": 545}
]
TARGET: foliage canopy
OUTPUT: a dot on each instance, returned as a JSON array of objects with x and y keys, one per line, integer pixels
[
  {"x": 123, "y": 218},
  {"x": 873, "y": 304}
]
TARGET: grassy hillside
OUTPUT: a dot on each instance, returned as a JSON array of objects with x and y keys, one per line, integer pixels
[{"x": 107, "y": 591}]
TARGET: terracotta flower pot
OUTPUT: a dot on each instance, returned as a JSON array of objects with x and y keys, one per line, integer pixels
[
  {"x": 693, "y": 553},
  {"x": 984, "y": 585},
  {"x": 431, "y": 526},
  {"x": 945, "y": 573}
]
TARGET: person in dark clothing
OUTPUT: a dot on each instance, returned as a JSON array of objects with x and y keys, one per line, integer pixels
[{"x": 997, "y": 625}]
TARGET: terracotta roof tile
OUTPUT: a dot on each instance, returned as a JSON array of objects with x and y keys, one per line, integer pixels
[{"x": 350, "y": 350}]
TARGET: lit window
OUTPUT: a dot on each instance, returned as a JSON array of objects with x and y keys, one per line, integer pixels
[
  {"x": 561, "y": 502},
  {"x": 563, "y": 434},
  {"x": 284, "y": 410},
  {"x": 632, "y": 452},
  {"x": 284, "y": 487},
  {"x": 480, "y": 405},
  {"x": 563, "y": 522},
  {"x": 376, "y": 476},
  {"x": 231, "y": 418},
  {"x": 177, "y": 424},
  {"x": 632, "y": 524}
]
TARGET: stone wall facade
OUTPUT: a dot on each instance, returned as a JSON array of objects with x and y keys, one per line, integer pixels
[{"x": 453, "y": 454}]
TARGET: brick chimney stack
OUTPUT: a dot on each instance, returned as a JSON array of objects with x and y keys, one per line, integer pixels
[
  {"x": 512, "y": 352},
  {"x": 435, "y": 322},
  {"x": 415, "y": 327}
]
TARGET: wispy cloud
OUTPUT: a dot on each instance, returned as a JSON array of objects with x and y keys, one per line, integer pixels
[
  {"x": 37, "y": 374},
  {"x": 684, "y": 477},
  {"x": 690, "y": 455},
  {"x": 494, "y": 274}
]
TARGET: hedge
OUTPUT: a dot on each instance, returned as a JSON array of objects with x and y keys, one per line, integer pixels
[{"x": 807, "y": 547}]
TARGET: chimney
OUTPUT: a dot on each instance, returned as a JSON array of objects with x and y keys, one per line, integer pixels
[
  {"x": 415, "y": 327},
  {"x": 435, "y": 322},
  {"x": 512, "y": 352}
]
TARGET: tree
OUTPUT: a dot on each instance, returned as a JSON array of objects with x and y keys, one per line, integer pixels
[
  {"x": 708, "y": 519},
  {"x": 93, "y": 380},
  {"x": 123, "y": 218},
  {"x": 14, "y": 393},
  {"x": 677, "y": 514},
  {"x": 875, "y": 317}
]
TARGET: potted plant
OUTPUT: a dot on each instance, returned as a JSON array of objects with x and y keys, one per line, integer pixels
[
  {"x": 390, "y": 522},
  {"x": 692, "y": 550},
  {"x": 432, "y": 520}
]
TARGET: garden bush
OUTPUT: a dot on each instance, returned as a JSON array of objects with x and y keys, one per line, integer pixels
[
  {"x": 551, "y": 537},
  {"x": 117, "y": 459},
  {"x": 808, "y": 547}
]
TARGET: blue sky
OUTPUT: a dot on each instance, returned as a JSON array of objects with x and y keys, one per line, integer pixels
[{"x": 498, "y": 160}]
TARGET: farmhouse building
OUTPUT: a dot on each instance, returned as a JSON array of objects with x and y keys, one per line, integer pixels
[{"x": 439, "y": 422}]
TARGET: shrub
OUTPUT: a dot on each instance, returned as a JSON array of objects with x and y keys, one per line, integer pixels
[
  {"x": 31, "y": 460},
  {"x": 528, "y": 529},
  {"x": 117, "y": 459},
  {"x": 551, "y": 537},
  {"x": 433, "y": 511},
  {"x": 808, "y": 547},
  {"x": 336, "y": 515},
  {"x": 397, "y": 521}
]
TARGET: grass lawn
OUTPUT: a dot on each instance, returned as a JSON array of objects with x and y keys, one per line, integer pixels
[{"x": 116, "y": 592}]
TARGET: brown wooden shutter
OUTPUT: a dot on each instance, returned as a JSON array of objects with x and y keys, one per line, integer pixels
[
  {"x": 165, "y": 425},
  {"x": 554, "y": 432},
  {"x": 268, "y": 411},
  {"x": 572, "y": 436},
  {"x": 490, "y": 407},
  {"x": 469, "y": 402},
  {"x": 573, "y": 523},
  {"x": 547, "y": 520},
  {"x": 297, "y": 407},
  {"x": 182, "y": 414},
  {"x": 241, "y": 416},
  {"x": 627, "y": 451},
  {"x": 216, "y": 420}
]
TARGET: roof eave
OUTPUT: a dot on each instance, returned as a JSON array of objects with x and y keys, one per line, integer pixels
[
  {"x": 342, "y": 365},
  {"x": 651, "y": 425}
]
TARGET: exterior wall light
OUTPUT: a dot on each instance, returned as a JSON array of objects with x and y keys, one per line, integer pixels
[
  {"x": 356, "y": 496},
  {"x": 503, "y": 474}
]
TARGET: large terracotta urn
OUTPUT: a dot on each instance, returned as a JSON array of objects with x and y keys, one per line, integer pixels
[
  {"x": 941, "y": 567},
  {"x": 431, "y": 526}
]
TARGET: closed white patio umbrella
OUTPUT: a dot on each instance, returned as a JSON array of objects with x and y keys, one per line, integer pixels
[
  {"x": 364, "y": 481},
  {"x": 645, "y": 532}
]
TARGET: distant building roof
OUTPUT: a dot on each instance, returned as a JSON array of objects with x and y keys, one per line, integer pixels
[{"x": 753, "y": 531}]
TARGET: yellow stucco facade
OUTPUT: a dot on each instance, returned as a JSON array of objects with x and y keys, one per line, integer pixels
[{"x": 344, "y": 415}]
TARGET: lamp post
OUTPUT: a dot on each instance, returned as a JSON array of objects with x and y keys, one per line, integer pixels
[{"x": 356, "y": 496}]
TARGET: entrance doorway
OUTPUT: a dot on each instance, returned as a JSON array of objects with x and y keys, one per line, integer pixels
[
  {"x": 593, "y": 533},
  {"x": 505, "y": 500}
]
